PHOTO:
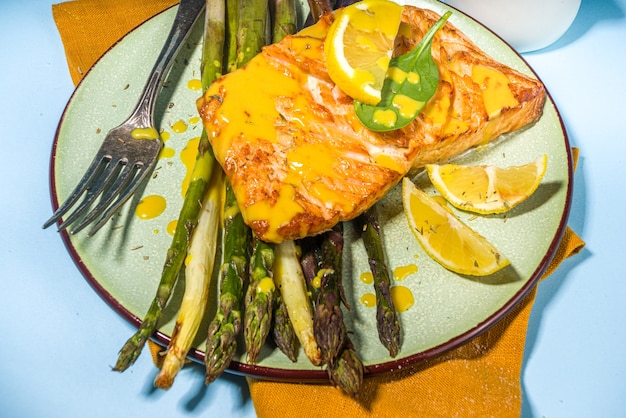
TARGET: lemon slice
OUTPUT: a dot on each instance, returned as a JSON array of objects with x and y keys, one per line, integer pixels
[
  {"x": 445, "y": 238},
  {"x": 359, "y": 45},
  {"x": 487, "y": 189}
]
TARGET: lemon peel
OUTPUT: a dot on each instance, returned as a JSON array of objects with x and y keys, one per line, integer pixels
[{"x": 487, "y": 189}]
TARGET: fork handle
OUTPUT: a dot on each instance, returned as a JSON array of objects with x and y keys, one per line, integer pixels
[{"x": 186, "y": 16}]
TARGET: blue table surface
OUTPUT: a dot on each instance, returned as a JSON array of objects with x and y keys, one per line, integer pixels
[{"x": 59, "y": 338}]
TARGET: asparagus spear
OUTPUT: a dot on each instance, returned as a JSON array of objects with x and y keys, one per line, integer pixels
[
  {"x": 259, "y": 298},
  {"x": 284, "y": 19},
  {"x": 251, "y": 29},
  {"x": 310, "y": 262},
  {"x": 247, "y": 29},
  {"x": 174, "y": 259},
  {"x": 386, "y": 318},
  {"x": 328, "y": 323},
  {"x": 344, "y": 3},
  {"x": 198, "y": 272},
  {"x": 232, "y": 19},
  {"x": 224, "y": 328},
  {"x": 347, "y": 372},
  {"x": 188, "y": 217},
  {"x": 214, "y": 43},
  {"x": 318, "y": 8},
  {"x": 321, "y": 264},
  {"x": 291, "y": 283},
  {"x": 282, "y": 330}
]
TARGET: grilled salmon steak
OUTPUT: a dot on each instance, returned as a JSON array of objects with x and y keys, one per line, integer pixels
[{"x": 300, "y": 161}]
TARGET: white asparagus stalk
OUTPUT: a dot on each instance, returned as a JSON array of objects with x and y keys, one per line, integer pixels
[
  {"x": 198, "y": 272},
  {"x": 201, "y": 251},
  {"x": 290, "y": 280}
]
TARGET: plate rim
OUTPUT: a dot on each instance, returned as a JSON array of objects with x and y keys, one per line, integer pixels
[{"x": 317, "y": 375}]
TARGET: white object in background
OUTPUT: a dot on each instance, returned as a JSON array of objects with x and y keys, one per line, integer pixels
[{"x": 526, "y": 25}]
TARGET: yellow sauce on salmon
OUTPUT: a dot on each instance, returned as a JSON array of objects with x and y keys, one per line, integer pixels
[
  {"x": 254, "y": 119},
  {"x": 495, "y": 88}
]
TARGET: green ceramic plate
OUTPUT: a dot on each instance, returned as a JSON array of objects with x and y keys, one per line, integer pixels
[{"x": 123, "y": 261}]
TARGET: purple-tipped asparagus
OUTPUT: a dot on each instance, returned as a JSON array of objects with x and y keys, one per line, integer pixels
[{"x": 386, "y": 317}]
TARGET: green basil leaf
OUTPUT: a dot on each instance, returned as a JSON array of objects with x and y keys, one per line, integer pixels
[{"x": 411, "y": 81}]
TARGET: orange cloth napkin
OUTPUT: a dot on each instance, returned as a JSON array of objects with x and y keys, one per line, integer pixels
[
  {"x": 88, "y": 28},
  {"x": 479, "y": 379}
]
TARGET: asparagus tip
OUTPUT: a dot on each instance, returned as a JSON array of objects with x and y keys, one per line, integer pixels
[
  {"x": 347, "y": 373},
  {"x": 163, "y": 381},
  {"x": 127, "y": 355},
  {"x": 221, "y": 348},
  {"x": 258, "y": 320}
]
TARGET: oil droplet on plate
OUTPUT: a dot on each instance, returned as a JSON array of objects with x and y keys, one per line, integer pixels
[
  {"x": 402, "y": 298},
  {"x": 150, "y": 207},
  {"x": 194, "y": 120},
  {"x": 188, "y": 157},
  {"x": 402, "y": 272},
  {"x": 165, "y": 136},
  {"x": 167, "y": 152},
  {"x": 367, "y": 277},
  {"x": 179, "y": 126},
  {"x": 171, "y": 226},
  {"x": 194, "y": 84},
  {"x": 368, "y": 300}
]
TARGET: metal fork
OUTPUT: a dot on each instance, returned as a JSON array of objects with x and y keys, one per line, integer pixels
[{"x": 129, "y": 152}]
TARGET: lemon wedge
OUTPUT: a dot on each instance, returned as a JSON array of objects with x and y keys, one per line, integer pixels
[
  {"x": 359, "y": 45},
  {"x": 445, "y": 238},
  {"x": 487, "y": 189}
]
